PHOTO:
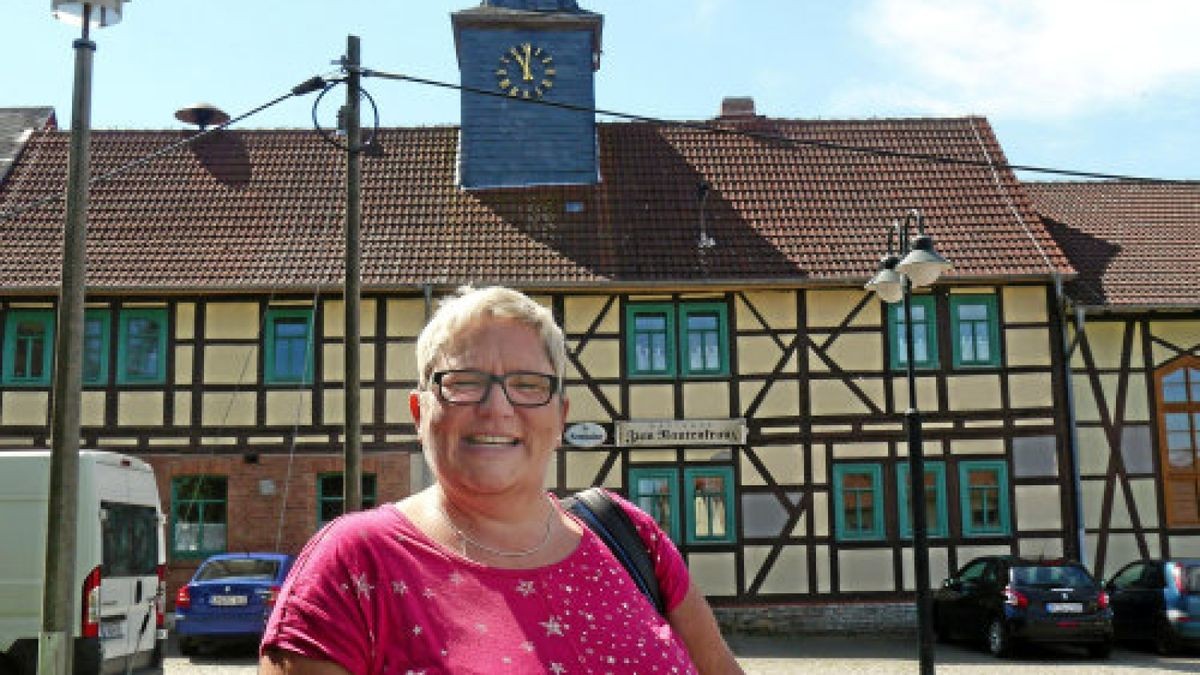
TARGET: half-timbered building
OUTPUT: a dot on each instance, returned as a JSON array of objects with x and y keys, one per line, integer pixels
[{"x": 1134, "y": 350}]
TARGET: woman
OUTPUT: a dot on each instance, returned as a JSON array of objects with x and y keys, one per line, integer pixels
[{"x": 483, "y": 571}]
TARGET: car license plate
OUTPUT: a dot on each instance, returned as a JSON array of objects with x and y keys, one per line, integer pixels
[
  {"x": 112, "y": 630},
  {"x": 1064, "y": 607},
  {"x": 227, "y": 600}
]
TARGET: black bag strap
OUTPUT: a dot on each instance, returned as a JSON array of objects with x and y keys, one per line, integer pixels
[{"x": 604, "y": 517}]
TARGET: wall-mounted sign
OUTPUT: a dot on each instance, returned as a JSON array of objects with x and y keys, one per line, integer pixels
[
  {"x": 682, "y": 432},
  {"x": 585, "y": 435}
]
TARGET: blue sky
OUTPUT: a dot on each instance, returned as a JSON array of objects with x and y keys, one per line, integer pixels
[{"x": 1109, "y": 86}]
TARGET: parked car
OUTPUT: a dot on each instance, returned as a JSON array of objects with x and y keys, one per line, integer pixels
[
  {"x": 1005, "y": 600},
  {"x": 229, "y": 598},
  {"x": 1158, "y": 600}
]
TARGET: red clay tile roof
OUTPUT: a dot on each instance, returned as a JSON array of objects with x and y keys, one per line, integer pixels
[
  {"x": 1135, "y": 244},
  {"x": 264, "y": 209}
]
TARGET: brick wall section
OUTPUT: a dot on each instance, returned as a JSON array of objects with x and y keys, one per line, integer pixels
[
  {"x": 254, "y": 519},
  {"x": 891, "y": 618}
]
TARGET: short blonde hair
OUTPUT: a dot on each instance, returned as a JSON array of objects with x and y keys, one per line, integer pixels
[{"x": 469, "y": 304}]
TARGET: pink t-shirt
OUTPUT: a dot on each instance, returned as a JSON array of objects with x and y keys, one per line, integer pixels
[{"x": 374, "y": 594}]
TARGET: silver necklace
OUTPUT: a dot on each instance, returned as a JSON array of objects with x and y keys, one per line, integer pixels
[{"x": 467, "y": 539}]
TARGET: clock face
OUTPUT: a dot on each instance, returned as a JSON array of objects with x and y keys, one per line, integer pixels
[{"x": 525, "y": 71}]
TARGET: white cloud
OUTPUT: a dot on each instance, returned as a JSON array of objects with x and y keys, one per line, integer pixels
[{"x": 1027, "y": 58}]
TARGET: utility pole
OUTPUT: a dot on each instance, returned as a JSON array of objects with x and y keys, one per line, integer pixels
[
  {"x": 352, "y": 477},
  {"x": 55, "y": 644}
]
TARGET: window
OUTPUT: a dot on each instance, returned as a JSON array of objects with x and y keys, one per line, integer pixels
[
  {"x": 709, "y": 494},
  {"x": 690, "y": 339},
  {"x": 651, "y": 342},
  {"x": 654, "y": 491},
  {"x": 198, "y": 515},
  {"x": 858, "y": 501},
  {"x": 1178, "y": 393},
  {"x": 129, "y": 535},
  {"x": 975, "y": 330},
  {"x": 28, "y": 347},
  {"x": 935, "y": 500},
  {"x": 288, "y": 349},
  {"x": 705, "y": 344},
  {"x": 983, "y": 495},
  {"x": 95, "y": 346},
  {"x": 142, "y": 347},
  {"x": 925, "y": 354},
  {"x": 331, "y": 495}
]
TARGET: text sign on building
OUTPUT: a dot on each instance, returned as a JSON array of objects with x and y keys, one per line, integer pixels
[{"x": 681, "y": 432}]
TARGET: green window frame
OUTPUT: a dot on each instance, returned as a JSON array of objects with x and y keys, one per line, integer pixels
[
  {"x": 704, "y": 339},
  {"x": 28, "y": 347},
  {"x": 199, "y": 515},
  {"x": 97, "y": 337},
  {"x": 708, "y": 492},
  {"x": 936, "y": 509},
  {"x": 650, "y": 345},
  {"x": 858, "y": 502},
  {"x": 656, "y": 491},
  {"x": 983, "y": 498},
  {"x": 975, "y": 330},
  {"x": 925, "y": 348},
  {"x": 331, "y": 495},
  {"x": 288, "y": 346},
  {"x": 142, "y": 347}
]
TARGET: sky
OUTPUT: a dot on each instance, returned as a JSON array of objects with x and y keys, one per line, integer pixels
[{"x": 1105, "y": 86}]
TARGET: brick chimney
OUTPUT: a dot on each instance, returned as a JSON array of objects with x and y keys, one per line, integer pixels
[{"x": 737, "y": 107}]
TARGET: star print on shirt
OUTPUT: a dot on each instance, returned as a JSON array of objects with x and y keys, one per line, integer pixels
[
  {"x": 557, "y": 668},
  {"x": 527, "y": 646},
  {"x": 552, "y": 626},
  {"x": 525, "y": 588},
  {"x": 456, "y": 578},
  {"x": 399, "y": 587},
  {"x": 361, "y": 586}
]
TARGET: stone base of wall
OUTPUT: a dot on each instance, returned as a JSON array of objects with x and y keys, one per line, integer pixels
[{"x": 861, "y": 618}]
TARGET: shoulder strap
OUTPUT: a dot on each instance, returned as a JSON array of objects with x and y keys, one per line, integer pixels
[{"x": 612, "y": 524}]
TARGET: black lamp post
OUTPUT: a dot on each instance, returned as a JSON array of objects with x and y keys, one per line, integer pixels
[{"x": 921, "y": 266}]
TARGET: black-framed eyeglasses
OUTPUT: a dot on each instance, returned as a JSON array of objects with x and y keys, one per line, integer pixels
[{"x": 524, "y": 389}]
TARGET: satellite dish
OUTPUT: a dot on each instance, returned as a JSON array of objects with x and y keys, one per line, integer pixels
[{"x": 202, "y": 115}]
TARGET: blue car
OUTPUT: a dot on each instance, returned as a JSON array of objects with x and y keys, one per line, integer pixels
[
  {"x": 229, "y": 598},
  {"x": 1158, "y": 600}
]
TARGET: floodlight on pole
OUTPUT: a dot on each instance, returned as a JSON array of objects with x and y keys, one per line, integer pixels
[
  {"x": 56, "y": 645},
  {"x": 920, "y": 266}
]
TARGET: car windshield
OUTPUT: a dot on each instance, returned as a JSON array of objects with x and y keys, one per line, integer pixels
[
  {"x": 241, "y": 568},
  {"x": 1051, "y": 576}
]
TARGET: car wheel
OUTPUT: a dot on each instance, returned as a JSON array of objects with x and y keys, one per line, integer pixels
[
  {"x": 999, "y": 642},
  {"x": 1101, "y": 650},
  {"x": 187, "y": 646},
  {"x": 1164, "y": 639}
]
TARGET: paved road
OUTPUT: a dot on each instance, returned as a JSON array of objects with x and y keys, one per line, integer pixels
[{"x": 867, "y": 656}]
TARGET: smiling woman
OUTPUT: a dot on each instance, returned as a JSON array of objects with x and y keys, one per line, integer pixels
[{"x": 484, "y": 569}]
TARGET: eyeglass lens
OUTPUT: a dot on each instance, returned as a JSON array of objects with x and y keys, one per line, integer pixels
[{"x": 473, "y": 386}]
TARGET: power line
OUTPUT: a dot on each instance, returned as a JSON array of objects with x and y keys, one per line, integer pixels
[{"x": 773, "y": 138}]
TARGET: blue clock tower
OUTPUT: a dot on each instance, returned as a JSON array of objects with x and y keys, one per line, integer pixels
[{"x": 527, "y": 53}]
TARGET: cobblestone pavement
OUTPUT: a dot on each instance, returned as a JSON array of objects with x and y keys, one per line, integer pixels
[{"x": 810, "y": 654}]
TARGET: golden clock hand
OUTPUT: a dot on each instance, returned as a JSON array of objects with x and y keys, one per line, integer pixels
[{"x": 527, "y": 76}]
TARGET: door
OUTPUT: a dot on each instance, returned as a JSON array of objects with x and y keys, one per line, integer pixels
[
  {"x": 129, "y": 578},
  {"x": 961, "y": 599}
]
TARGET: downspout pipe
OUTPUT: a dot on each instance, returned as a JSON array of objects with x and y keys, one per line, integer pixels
[{"x": 1062, "y": 305}]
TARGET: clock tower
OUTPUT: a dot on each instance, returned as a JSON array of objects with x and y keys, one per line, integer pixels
[{"x": 527, "y": 55}]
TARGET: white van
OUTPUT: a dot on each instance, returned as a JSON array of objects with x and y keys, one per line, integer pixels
[{"x": 120, "y": 561}]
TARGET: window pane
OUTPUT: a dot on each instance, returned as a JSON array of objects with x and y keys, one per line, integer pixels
[
  {"x": 983, "y": 487},
  {"x": 30, "y": 350},
  {"x": 658, "y": 352},
  {"x": 290, "y": 350},
  {"x": 709, "y": 505},
  {"x": 966, "y": 342},
  {"x": 142, "y": 360},
  {"x": 858, "y": 503},
  {"x": 972, "y": 312},
  {"x": 93, "y": 349},
  {"x": 653, "y": 495},
  {"x": 1194, "y": 377},
  {"x": 1175, "y": 387}
]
